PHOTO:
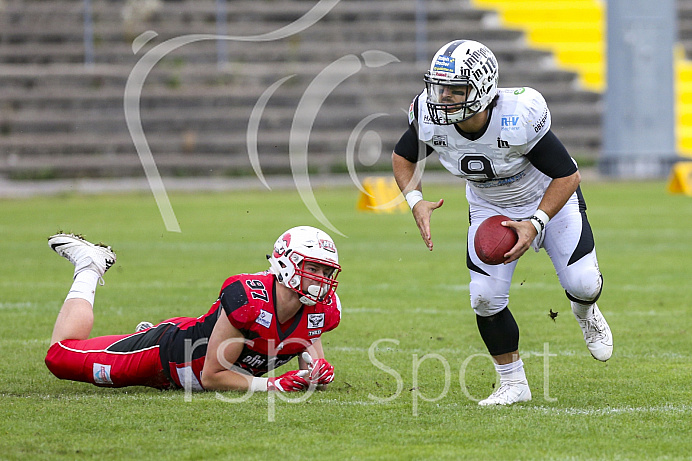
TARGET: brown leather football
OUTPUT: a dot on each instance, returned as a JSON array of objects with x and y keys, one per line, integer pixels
[{"x": 493, "y": 240}]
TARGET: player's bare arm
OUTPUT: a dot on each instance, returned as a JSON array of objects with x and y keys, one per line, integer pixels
[
  {"x": 316, "y": 352},
  {"x": 555, "y": 197},
  {"x": 224, "y": 348},
  {"x": 403, "y": 174}
]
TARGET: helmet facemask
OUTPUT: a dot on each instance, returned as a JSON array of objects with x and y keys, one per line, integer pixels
[
  {"x": 313, "y": 293},
  {"x": 443, "y": 108}
]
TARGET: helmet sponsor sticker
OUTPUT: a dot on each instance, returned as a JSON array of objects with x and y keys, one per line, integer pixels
[{"x": 444, "y": 64}]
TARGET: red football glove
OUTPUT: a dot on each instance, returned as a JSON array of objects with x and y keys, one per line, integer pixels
[
  {"x": 321, "y": 372},
  {"x": 291, "y": 381}
]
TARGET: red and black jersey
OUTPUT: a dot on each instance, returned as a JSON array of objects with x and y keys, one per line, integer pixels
[{"x": 248, "y": 300}]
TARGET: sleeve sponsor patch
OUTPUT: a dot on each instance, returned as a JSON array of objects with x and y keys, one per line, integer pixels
[{"x": 540, "y": 124}]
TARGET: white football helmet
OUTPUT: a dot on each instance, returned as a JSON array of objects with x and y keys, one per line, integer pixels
[
  {"x": 461, "y": 63},
  {"x": 295, "y": 248}
]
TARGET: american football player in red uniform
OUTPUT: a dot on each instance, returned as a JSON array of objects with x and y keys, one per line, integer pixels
[{"x": 258, "y": 323}]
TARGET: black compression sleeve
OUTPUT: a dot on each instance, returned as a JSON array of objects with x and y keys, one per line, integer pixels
[
  {"x": 411, "y": 148},
  {"x": 500, "y": 332},
  {"x": 551, "y": 158}
]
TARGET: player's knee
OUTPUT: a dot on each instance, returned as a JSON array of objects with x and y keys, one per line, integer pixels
[
  {"x": 486, "y": 301},
  {"x": 60, "y": 365},
  {"x": 53, "y": 363},
  {"x": 586, "y": 288}
]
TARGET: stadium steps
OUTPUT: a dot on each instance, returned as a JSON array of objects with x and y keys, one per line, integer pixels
[
  {"x": 570, "y": 29},
  {"x": 59, "y": 117},
  {"x": 574, "y": 31}
]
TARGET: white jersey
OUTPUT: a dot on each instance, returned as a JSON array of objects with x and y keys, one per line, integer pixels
[{"x": 494, "y": 165}]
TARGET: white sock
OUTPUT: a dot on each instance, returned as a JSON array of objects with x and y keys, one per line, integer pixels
[
  {"x": 582, "y": 310},
  {"x": 511, "y": 371},
  {"x": 84, "y": 286}
]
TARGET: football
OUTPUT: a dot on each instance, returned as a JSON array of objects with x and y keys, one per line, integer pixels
[{"x": 493, "y": 240}]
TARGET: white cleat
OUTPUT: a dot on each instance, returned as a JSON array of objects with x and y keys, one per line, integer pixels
[
  {"x": 508, "y": 393},
  {"x": 141, "y": 326},
  {"x": 82, "y": 254},
  {"x": 597, "y": 334}
]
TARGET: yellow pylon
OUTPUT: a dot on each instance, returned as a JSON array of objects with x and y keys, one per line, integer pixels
[
  {"x": 681, "y": 179},
  {"x": 381, "y": 194}
]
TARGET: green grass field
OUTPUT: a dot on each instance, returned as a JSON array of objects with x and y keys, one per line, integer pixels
[{"x": 404, "y": 306}]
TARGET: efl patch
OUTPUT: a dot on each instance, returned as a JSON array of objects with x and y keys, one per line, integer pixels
[
  {"x": 264, "y": 318},
  {"x": 102, "y": 374},
  {"x": 439, "y": 140},
  {"x": 444, "y": 64},
  {"x": 316, "y": 320}
]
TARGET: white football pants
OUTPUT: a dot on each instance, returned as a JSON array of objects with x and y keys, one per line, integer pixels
[{"x": 565, "y": 236}]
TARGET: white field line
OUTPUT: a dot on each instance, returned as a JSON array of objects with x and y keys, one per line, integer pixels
[
  {"x": 467, "y": 309},
  {"x": 525, "y": 354},
  {"x": 669, "y": 408},
  {"x": 571, "y": 411},
  {"x": 19, "y": 305}
]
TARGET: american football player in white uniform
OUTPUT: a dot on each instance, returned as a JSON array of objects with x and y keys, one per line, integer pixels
[{"x": 499, "y": 140}]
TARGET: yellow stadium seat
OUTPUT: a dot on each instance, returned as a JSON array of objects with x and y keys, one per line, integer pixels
[{"x": 574, "y": 31}]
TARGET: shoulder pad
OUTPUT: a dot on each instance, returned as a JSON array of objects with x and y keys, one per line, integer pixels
[
  {"x": 233, "y": 296},
  {"x": 525, "y": 115}
]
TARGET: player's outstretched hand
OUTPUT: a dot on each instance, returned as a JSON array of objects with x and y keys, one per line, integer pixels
[
  {"x": 322, "y": 372},
  {"x": 421, "y": 213},
  {"x": 291, "y": 381}
]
